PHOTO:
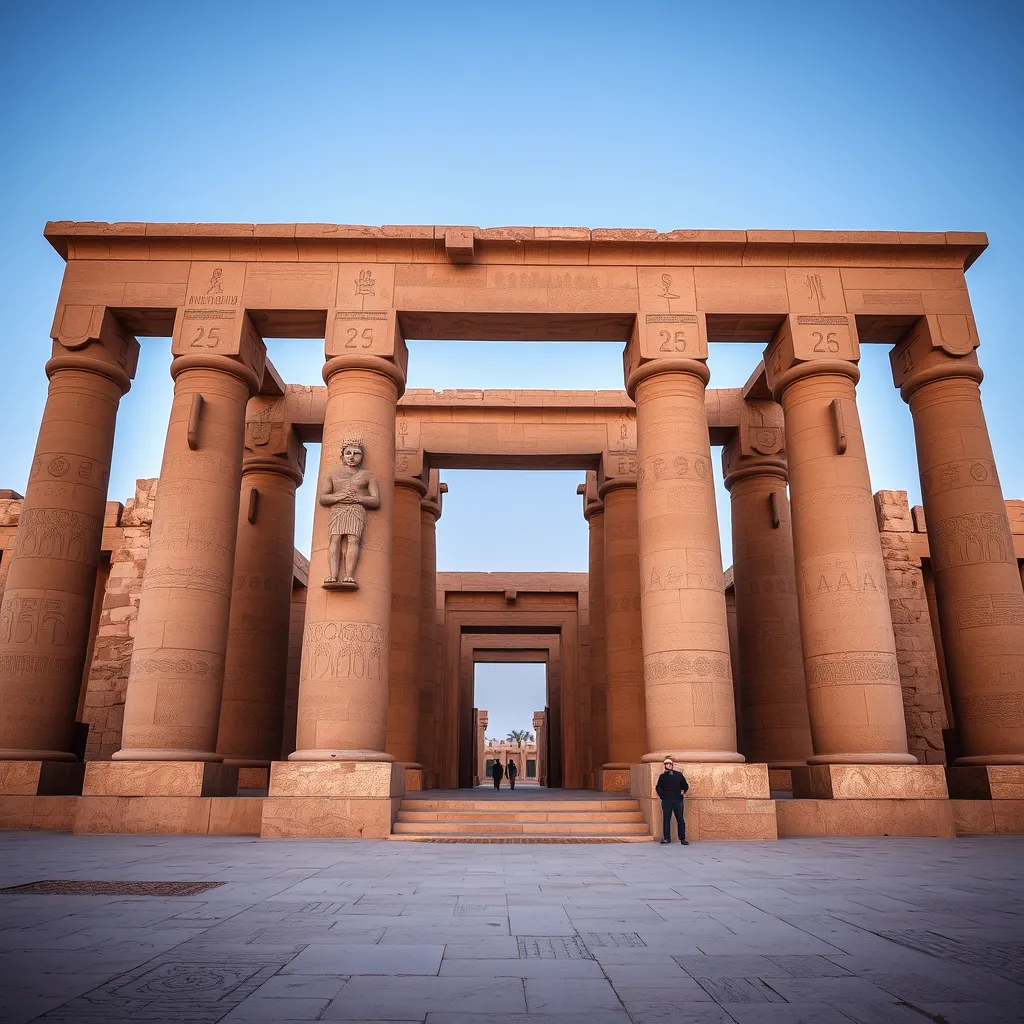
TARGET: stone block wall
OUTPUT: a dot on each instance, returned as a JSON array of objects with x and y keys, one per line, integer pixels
[
  {"x": 108, "y": 674},
  {"x": 923, "y": 702}
]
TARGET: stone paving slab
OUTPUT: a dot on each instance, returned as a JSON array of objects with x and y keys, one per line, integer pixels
[{"x": 824, "y": 931}]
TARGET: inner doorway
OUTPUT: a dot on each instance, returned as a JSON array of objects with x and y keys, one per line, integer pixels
[{"x": 509, "y": 701}]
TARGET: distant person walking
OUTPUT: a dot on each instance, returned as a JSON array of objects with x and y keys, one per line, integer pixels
[
  {"x": 671, "y": 787},
  {"x": 511, "y": 771},
  {"x": 496, "y": 774}
]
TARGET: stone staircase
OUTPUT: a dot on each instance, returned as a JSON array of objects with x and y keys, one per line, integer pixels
[{"x": 533, "y": 818}]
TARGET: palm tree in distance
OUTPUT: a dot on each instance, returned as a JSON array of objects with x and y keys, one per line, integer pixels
[{"x": 519, "y": 737}]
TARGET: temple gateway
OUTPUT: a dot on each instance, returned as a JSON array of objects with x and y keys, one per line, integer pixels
[{"x": 173, "y": 665}]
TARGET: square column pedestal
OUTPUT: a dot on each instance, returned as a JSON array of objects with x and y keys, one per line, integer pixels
[
  {"x": 164, "y": 797},
  {"x": 725, "y": 801},
  {"x": 867, "y": 800},
  {"x": 987, "y": 799},
  {"x": 332, "y": 799},
  {"x": 612, "y": 780},
  {"x": 39, "y": 794}
]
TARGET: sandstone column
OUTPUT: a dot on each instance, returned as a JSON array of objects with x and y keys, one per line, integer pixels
[
  {"x": 853, "y": 684},
  {"x": 406, "y": 584},
  {"x": 687, "y": 673},
  {"x": 172, "y": 703},
  {"x": 343, "y": 686},
  {"x": 624, "y": 667},
  {"x": 770, "y": 679},
  {"x": 977, "y": 583},
  {"x": 539, "y": 721},
  {"x": 256, "y": 662},
  {"x": 51, "y": 573},
  {"x": 429, "y": 704},
  {"x": 593, "y": 513}
]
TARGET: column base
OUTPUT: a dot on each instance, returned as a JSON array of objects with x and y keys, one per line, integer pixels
[
  {"x": 41, "y": 778},
  {"x": 337, "y": 799},
  {"x": 862, "y": 759},
  {"x": 612, "y": 780},
  {"x": 166, "y": 754},
  {"x": 869, "y": 782},
  {"x": 986, "y": 782},
  {"x": 694, "y": 757},
  {"x": 11, "y": 754},
  {"x": 160, "y": 778},
  {"x": 725, "y": 801},
  {"x": 339, "y": 755}
]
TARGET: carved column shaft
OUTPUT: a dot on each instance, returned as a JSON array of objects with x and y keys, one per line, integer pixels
[
  {"x": 853, "y": 685},
  {"x": 256, "y": 661},
  {"x": 594, "y": 514},
  {"x": 47, "y": 600},
  {"x": 172, "y": 703},
  {"x": 429, "y": 702},
  {"x": 624, "y": 665},
  {"x": 771, "y": 683},
  {"x": 406, "y": 583},
  {"x": 343, "y": 684},
  {"x": 687, "y": 672},
  {"x": 977, "y": 582}
]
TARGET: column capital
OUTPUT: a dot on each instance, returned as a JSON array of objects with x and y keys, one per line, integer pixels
[
  {"x": 617, "y": 469},
  {"x": 666, "y": 343},
  {"x": 808, "y": 345},
  {"x": 737, "y": 466},
  {"x": 410, "y": 471},
  {"x": 91, "y": 338},
  {"x": 938, "y": 347},
  {"x": 217, "y": 338},
  {"x": 431, "y": 503},
  {"x": 366, "y": 339},
  {"x": 757, "y": 448},
  {"x": 272, "y": 446}
]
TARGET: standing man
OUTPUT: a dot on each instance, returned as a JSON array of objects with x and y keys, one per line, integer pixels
[
  {"x": 496, "y": 774},
  {"x": 671, "y": 787},
  {"x": 511, "y": 771}
]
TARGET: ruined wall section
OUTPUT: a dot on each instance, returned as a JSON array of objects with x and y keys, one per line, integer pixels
[
  {"x": 108, "y": 674},
  {"x": 923, "y": 702}
]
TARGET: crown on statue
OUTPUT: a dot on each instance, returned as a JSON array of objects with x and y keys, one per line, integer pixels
[{"x": 353, "y": 442}]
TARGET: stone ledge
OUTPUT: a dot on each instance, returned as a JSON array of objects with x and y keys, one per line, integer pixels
[
  {"x": 711, "y": 818},
  {"x": 160, "y": 778},
  {"x": 988, "y": 817},
  {"x": 168, "y": 815},
  {"x": 872, "y": 817},
  {"x": 41, "y": 778},
  {"x": 328, "y": 817},
  {"x": 356, "y": 779},
  {"x": 986, "y": 782},
  {"x": 869, "y": 782}
]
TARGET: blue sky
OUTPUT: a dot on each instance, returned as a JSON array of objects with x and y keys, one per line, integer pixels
[{"x": 719, "y": 115}]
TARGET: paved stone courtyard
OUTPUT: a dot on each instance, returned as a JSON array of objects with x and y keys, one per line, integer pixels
[{"x": 822, "y": 931}]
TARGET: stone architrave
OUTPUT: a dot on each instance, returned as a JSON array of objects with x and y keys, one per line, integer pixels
[
  {"x": 406, "y": 585},
  {"x": 593, "y": 513},
  {"x": 429, "y": 701},
  {"x": 172, "y": 702},
  {"x": 256, "y": 661},
  {"x": 624, "y": 667},
  {"x": 343, "y": 683},
  {"x": 51, "y": 573},
  {"x": 770, "y": 680},
  {"x": 691, "y": 713},
  {"x": 977, "y": 582},
  {"x": 854, "y": 698}
]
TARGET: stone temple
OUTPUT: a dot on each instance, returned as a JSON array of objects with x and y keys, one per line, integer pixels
[{"x": 172, "y": 665}]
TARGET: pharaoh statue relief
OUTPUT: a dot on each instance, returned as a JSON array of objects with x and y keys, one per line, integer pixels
[{"x": 349, "y": 491}]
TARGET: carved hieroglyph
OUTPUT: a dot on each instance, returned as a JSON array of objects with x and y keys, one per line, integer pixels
[{"x": 349, "y": 491}]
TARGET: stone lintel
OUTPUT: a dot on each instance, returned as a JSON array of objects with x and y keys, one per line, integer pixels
[{"x": 870, "y": 782}]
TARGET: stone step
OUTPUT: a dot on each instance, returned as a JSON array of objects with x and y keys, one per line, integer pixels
[
  {"x": 410, "y": 815},
  {"x": 521, "y": 805},
  {"x": 518, "y": 827},
  {"x": 525, "y": 837}
]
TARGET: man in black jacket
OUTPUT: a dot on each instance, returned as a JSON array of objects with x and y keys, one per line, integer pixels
[
  {"x": 511, "y": 771},
  {"x": 671, "y": 787},
  {"x": 496, "y": 773}
]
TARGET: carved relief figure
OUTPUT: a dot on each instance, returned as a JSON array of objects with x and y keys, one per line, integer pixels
[{"x": 349, "y": 491}]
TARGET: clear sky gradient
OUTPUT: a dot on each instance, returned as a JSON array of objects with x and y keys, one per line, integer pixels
[{"x": 701, "y": 115}]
